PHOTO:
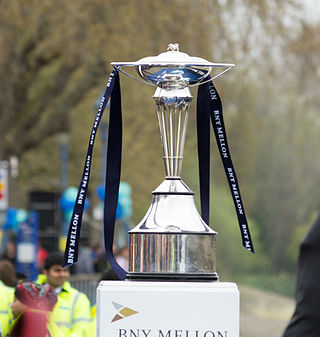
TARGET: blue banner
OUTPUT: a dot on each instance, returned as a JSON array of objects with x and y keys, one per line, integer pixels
[{"x": 27, "y": 247}]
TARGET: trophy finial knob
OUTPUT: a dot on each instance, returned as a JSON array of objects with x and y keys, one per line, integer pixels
[{"x": 173, "y": 47}]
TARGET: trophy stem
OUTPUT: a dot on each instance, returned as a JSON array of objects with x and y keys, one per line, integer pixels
[{"x": 172, "y": 111}]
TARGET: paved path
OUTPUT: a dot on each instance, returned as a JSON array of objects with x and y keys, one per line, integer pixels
[{"x": 263, "y": 314}]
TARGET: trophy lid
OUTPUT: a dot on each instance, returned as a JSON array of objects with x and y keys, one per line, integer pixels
[{"x": 173, "y": 65}]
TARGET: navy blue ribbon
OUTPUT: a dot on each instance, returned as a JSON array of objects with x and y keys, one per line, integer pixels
[
  {"x": 113, "y": 171},
  {"x": 203, "y": 135},
  {"x": 209, "y": 106}
]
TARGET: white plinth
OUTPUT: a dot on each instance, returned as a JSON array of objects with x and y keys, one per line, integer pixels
[{"x": 167, "y": 309}]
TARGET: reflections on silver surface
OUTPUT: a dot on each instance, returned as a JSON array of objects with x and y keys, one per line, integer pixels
[
  {"x": 173, "y": 213},
  {"x": 172, "y": 253},
  {"x": 172, "y": 110},
  {"x": 186, "y": 75},
  {"x": 172, "y": 237}
]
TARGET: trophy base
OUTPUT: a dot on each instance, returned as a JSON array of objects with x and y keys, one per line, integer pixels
[
  {"x": 168, "y": 309},
  {"x": 173, "y": 277}
]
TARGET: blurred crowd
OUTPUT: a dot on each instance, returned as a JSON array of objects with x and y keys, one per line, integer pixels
[
  {"x": 50, "y": 306},
  {"x": 92, "y": 258}
]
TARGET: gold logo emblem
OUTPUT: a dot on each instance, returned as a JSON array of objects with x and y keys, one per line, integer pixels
[{"x": 122, "y": 312}]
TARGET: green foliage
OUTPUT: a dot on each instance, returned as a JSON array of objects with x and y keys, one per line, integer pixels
[{"x": 232, "y": 257}]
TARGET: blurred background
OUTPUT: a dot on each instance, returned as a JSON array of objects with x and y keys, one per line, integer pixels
[{"x": 54, "y": 63}]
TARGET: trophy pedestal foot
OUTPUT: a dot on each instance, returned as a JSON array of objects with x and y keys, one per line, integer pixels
[{"x": 173, "y": 277}]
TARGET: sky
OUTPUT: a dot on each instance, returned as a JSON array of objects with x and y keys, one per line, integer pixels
[{"x": 312, "y": 9}]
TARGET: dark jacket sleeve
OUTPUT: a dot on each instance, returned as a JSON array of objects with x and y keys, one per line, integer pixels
[{"x": 306, "y": 318}]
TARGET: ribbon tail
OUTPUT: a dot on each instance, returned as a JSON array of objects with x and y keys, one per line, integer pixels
[
  {"x": 216, "y": 115},
  {"x": 203, "y": 136},
  {"x": 73, "y": 237},
  {"x": 113, "y": 173}
]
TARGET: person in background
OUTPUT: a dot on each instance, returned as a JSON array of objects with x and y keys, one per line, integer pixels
[
  {"x": 72, "y": 310},
  {"x": 10, "y": 252},
  {"x": 6, "y": 298},
  {"x": 31, "y": 309},
  {"x": 7, "y": 273},
  {"x": 85, "y": 260},
  {"x": 306, "y": 318},
  {"x": 42, "y": 254},
  {"x": 122, "y": 257},
  {"x": 99, "y": 258}
]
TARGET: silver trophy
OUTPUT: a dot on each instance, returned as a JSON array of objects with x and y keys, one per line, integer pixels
[{"x": 172, "y": 242}]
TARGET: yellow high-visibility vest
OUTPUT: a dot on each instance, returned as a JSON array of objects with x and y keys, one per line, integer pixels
[
  {"x": 72, "y": 311},
  {"x": 6, "y": 298}
]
